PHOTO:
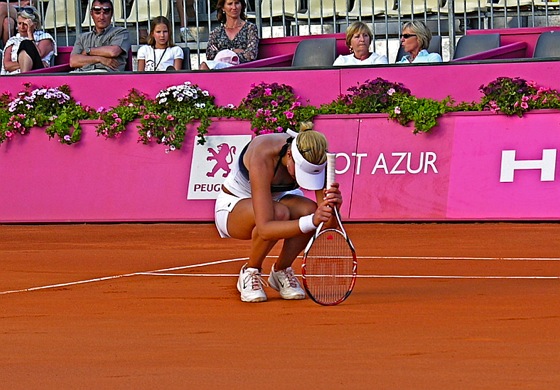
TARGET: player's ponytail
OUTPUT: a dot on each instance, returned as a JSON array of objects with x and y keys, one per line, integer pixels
[{"x": 312, "y": 144}]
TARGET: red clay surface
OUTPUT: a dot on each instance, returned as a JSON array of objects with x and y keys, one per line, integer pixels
[{"x": 473, "y": 306}]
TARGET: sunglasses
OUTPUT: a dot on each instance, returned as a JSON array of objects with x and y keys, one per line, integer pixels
[
  {"x": 406, "y": 36},
  {"x": 97, "y": 10},
  {"x": 29, "y": 10}
]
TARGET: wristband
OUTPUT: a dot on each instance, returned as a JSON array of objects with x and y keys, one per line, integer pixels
[{"x": 306, "y": 224}]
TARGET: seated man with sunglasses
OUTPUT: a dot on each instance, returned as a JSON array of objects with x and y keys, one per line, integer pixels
[
  {"x": 415, "y": 40},
  {"x": 105, "y": 48}
]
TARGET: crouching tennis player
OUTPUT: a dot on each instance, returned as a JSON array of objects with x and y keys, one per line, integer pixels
[{"x": 261, "y": 201}]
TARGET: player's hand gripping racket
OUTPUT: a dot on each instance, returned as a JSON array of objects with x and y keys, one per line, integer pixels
[{"x": 329, "y": 265}]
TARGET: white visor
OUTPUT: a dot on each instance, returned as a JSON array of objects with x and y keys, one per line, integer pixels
[{"x": 308, "y": 176}]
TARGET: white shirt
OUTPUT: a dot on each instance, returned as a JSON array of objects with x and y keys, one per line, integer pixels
[
  {"x": 373, "y": 59},
  {"x": 14, "y": 41},
  {"x": 162, "y": 58},
  {"x": 423, "y": 56}
]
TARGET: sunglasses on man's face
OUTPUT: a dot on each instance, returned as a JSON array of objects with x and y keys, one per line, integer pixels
[{"x": 97, "y": 10}]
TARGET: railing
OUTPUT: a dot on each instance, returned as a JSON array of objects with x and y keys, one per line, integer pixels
[{"x": 276, "y": 18}]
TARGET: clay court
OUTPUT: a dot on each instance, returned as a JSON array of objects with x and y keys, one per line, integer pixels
[{"x": 456, "y": 305}]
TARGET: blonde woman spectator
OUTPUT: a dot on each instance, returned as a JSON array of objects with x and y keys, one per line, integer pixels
[
  {"x": 31, "y": 48},
  {"x": 358, "y": 40},
  {"x": 415, "y": 40},
  {"x": 8, "y": 18}
]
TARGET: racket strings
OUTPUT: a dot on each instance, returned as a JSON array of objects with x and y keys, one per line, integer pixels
[{"x": 329, "y": 268}]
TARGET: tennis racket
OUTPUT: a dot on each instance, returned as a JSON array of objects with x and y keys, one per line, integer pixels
[{"x": 329, "y": 265}]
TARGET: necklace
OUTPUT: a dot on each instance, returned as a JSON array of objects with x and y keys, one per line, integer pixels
[{"x": 234, "y": 27}]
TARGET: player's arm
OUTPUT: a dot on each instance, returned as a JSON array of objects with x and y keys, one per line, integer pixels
[{"x": 261, "y": 169}]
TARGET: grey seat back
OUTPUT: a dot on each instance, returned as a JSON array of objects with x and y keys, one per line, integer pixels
[
  {"x": 472, "y": 44},
  {"x": 315, "y": 52},
  {"x": 548, "y": 45}
]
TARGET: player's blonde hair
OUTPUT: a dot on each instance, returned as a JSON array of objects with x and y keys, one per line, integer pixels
[{"x": 312, "y": 145}]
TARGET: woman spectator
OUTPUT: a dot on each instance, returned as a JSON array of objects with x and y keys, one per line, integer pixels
[
  {"x": 160, "y": 53},
  {"x": 415, "y": 39},
  {"x": 234, "y": 33},
  {"x": 358, "y": 40},
  {"x": 31, "y": 48},
  {"x": 8, "y": 16}
]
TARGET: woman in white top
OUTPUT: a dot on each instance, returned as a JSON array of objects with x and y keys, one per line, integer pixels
[
  {"x": 160, "y": 53},
  {"x": 31, "y": 48},
  {"x": 358, "y": 40}
]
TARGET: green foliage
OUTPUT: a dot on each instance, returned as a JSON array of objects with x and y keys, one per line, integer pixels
[
  {"x": 116, "y": 118},
  {"x": 420, "y": 111},
  {"x": 382, "y": 96},
  {"x": 515, "y": 96},
  {"x": 165, "y": 118},
  {"x": 52, "y": 108},
  {"x": 271, "y": 108}
]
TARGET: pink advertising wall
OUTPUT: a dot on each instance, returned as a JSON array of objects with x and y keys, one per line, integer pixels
[
  {"x": 387, "y": 173},
  {"x": 473, "y": 166}
]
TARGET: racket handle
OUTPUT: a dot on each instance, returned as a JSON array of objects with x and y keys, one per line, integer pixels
[{"x": 331, "y": 157}]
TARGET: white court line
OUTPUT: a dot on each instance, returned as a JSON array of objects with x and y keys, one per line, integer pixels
[
  {"x": 370, "y": 276},
  {"x": 460, "y": 258},
  {"x": 165, "y": 271},
  {"x": 120, "y": 276}
]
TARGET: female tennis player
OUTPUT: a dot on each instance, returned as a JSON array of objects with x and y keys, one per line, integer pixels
[{"x": 261, "y": 201}]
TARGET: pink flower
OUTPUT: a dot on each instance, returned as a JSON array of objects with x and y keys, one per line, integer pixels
[
  {"x": 397, "y": 110},
  {"x": 267, "y": 91},
  {"x": 391, "y": 91},
  {"x": 289, "y": 114},
  {"x": 524, "y": 105}
]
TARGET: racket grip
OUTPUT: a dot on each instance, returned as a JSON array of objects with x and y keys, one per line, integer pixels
[{"x": 331, "y": 158}]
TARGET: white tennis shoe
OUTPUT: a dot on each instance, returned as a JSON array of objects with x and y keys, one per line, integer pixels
[
  {"x": 250, "y": 285},
  {"x": 286, "y": 283}
]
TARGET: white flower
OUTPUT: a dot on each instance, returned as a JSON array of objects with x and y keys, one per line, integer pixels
[{"x": 391, "y": 91}]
